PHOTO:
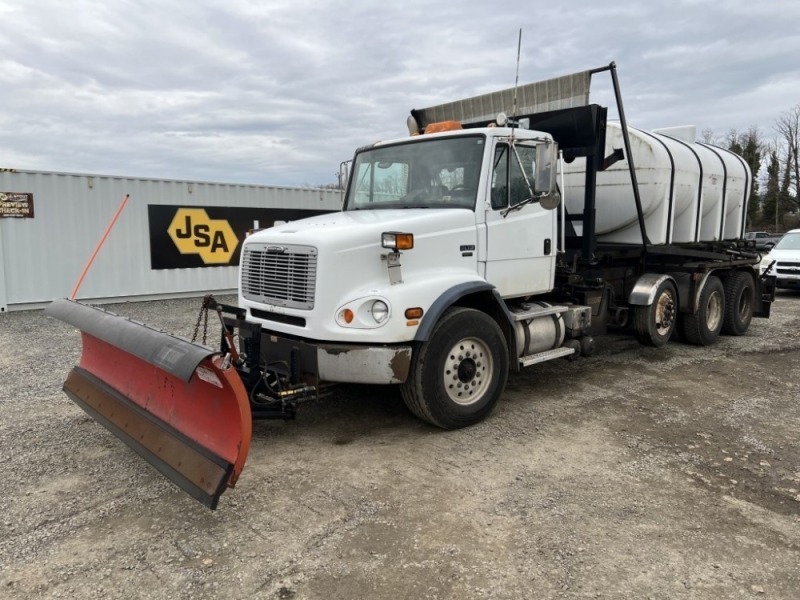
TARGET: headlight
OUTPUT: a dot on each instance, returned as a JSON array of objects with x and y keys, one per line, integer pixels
[
  {"x": 364, "y": 313},
  {"x": 379, "y": 311}
]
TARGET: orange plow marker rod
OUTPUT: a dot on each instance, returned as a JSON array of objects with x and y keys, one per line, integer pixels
[{"x": 99, "y": 245}]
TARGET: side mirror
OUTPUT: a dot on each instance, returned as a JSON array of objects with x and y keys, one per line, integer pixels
[{"x": 545, "y": 175}]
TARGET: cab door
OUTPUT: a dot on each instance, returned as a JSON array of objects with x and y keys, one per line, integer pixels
[{"x": 520, "y": 242}]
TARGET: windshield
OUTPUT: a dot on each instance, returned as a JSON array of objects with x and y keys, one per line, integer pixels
[
  {"x": 790, "y": 241},
  {"x": 435, "y": 173}
]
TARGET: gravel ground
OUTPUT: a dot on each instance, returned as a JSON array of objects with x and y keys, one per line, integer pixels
[{"x": 637, "y": 473}]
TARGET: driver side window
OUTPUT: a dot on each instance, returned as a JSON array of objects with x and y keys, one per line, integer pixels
[
  {"x": 509, "y": 186},
  {"x": 520, "y": 190}
]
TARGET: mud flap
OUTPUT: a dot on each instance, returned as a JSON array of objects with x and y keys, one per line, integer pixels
[{"x": 172, "y": 401}]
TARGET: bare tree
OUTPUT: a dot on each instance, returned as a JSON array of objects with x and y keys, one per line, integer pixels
[
  {"x": 707, "y": 136},
  {"x": 788, "y": 127}
]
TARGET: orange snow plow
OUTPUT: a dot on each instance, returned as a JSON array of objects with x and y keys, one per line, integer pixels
[{"x": 178, "y": 404}]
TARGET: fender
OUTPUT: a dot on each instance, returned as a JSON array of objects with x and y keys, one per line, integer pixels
[
  {"x": 698, "y": 289},
  {"x": 448, "y": 298},
  {"x": 689, "y": 289},
  {"x": 644, "y": 290}
]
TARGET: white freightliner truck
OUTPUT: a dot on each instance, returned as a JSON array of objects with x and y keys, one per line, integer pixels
[{"x": 476, "y": 246}]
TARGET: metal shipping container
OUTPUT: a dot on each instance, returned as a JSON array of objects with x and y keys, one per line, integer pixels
[{"x": 172, "y": 239}]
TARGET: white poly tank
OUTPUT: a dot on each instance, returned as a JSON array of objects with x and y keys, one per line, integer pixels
[{"x": 690, "y": 192}]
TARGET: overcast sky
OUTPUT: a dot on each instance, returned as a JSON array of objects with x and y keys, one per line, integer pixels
[{"x": 279, "y": 92}]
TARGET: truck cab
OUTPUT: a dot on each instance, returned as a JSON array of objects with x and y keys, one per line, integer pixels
[
  {"x": 491, "y": 172},
  {"x": 429, "y": 221}
]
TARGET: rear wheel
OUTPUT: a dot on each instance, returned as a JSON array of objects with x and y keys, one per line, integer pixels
[
  {"x": 458, "y": 375},
  {"x": 703, "y": 327},
  {"x": 654, "y": 324},
  {"x": 739, "y": 301}
]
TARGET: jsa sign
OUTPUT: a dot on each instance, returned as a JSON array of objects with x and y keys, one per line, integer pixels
[
  {"x": 185, "y": 237},
  {"x": 193, "y": 232}
]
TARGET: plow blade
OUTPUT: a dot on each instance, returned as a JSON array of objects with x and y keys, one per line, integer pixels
[{"x": 174, "y": 402}]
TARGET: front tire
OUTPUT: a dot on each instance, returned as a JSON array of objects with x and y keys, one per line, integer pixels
[
  {"x": 459, "y": 374},
  {"x": 740, "y": 294},
  {"x": 703, "y": 327}
]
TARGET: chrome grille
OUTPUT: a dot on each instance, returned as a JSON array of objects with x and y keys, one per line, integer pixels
[
  {"x": 787, "y": 268},
  {"x": 279, "y": 274}
]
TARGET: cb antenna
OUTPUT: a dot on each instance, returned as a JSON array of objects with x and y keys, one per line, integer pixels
[{"x": 516, "y": 84}]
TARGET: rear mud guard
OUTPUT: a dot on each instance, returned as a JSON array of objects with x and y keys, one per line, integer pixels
[{"x": 173, "y": 401}]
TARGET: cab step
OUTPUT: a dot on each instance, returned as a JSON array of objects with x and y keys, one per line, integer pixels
[{"x": 541, "y": 357}]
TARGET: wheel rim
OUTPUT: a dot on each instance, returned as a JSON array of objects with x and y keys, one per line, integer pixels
[
  {"x": 714, "y": 311},
  {"x": 468, "y": 371},
  {"x": 665, "y": 313}
]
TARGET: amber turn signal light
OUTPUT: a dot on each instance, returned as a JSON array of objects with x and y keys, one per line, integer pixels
[
  {"x": 397, "y": 241},
  {"x": 414, "y": 313}
]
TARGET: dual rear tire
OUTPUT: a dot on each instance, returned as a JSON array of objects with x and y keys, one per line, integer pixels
[
  {"x": 704, "y": 326},
  {"x": 740, "y": 297},
  {"x": 722, "y": 308}
]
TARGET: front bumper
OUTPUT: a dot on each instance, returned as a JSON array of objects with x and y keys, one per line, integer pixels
[
  {"x": 787, "y": 273},
  {"x": 788, "y": 282},
  {"x": 310, "y": 361},
  {"x": 342, "y": 363},
  {"x": 363, "y": 364}
]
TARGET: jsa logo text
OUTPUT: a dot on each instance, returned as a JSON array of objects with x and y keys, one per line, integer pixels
[{"x": 193, "y": 232}]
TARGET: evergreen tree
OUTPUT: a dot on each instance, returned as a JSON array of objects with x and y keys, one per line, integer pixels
[
  {"x": 773, "y": 188},
  {"x": 750, "y": 147},
  {"x": 785, "y": 198}
]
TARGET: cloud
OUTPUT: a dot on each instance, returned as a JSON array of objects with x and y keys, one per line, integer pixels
[{"x": 281, "y": 92}]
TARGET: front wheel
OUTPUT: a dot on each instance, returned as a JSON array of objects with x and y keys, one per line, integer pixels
[
  {"x": 459, "y": 374},
  {"x": 703, "y": 327}
]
